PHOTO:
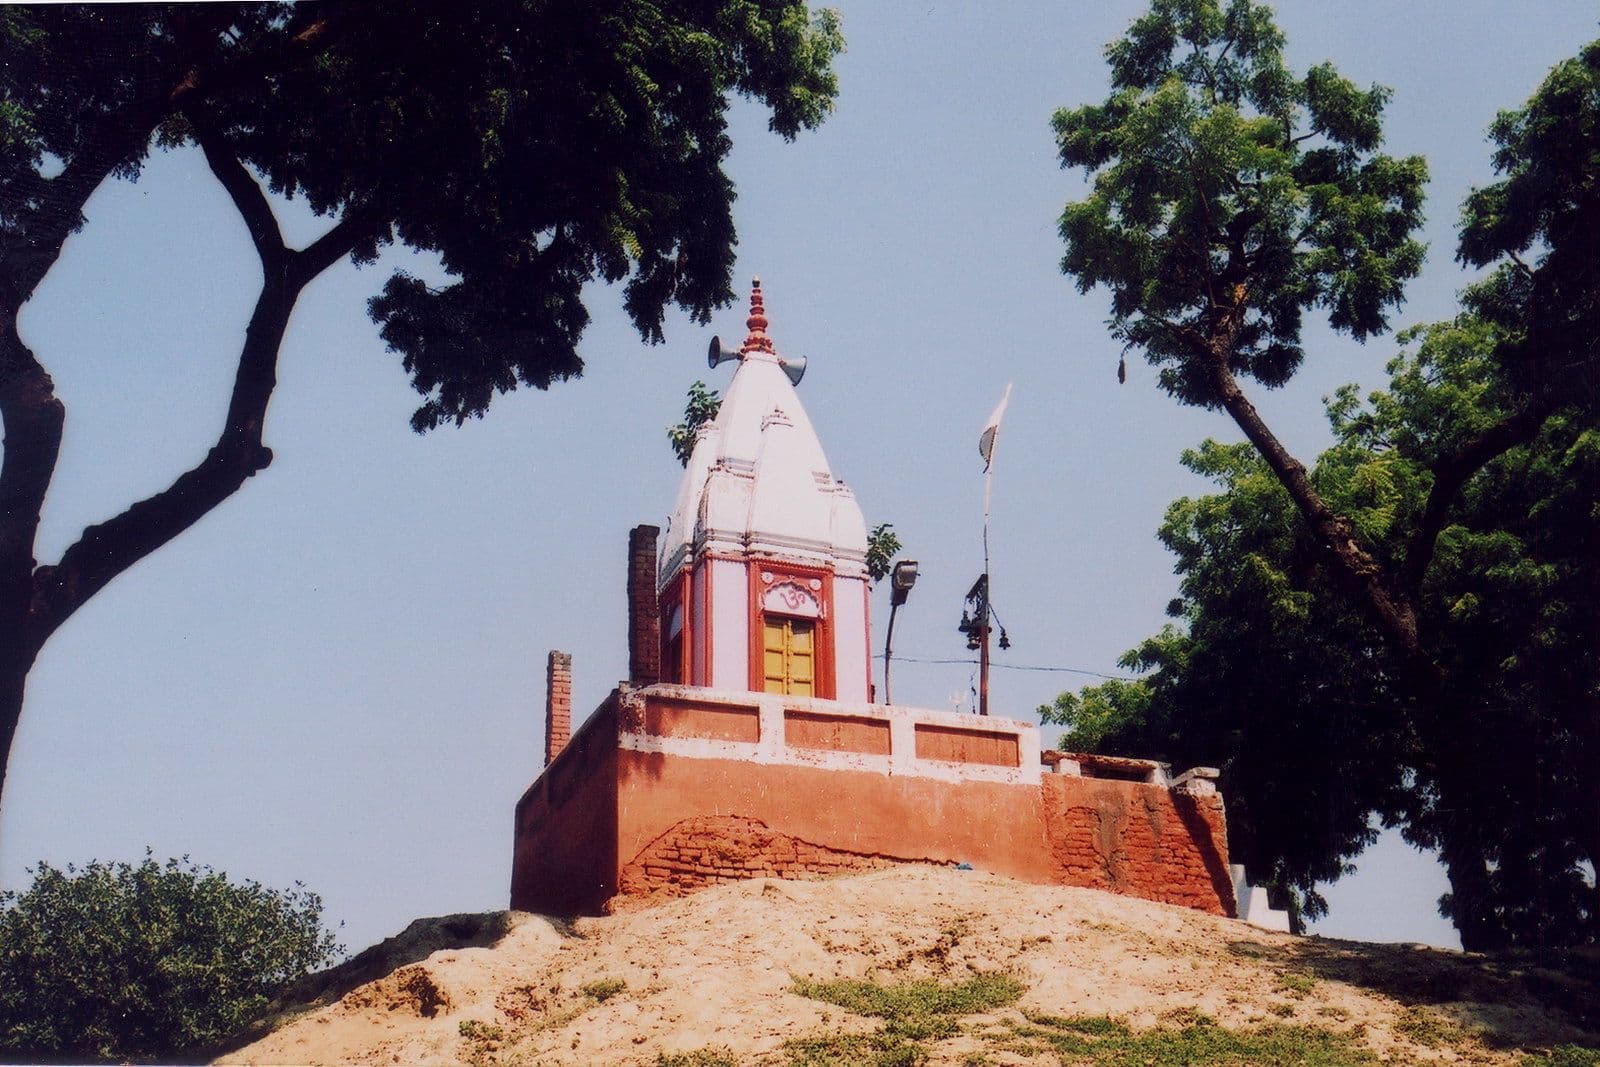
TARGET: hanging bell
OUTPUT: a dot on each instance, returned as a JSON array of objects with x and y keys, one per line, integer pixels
[
  {"x": 965, "y": 625},
  {"x": 1005, "y": 642}
]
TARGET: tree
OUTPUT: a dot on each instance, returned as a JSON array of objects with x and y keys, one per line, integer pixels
[
  {"x": 1279, "y": 678},
  {"x": 123, "y": 961},
  {"x": 564, "y": 142},
  {"x": 1232, "y": 196},
  {"x": 883, "y": 544},
  {"x": 1268, "y": 678},
  {"x": 700, "y": 409}
]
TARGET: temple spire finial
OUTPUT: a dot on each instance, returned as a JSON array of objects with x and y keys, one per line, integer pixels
[{"x": 757, "y": 340}]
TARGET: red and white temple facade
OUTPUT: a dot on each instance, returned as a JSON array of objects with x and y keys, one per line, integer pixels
[
  {"x": 763, "y": 579},
  {"x": 745, "y": 743}
]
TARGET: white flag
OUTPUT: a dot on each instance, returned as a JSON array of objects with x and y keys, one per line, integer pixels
[{"x": 991, "y": 430}]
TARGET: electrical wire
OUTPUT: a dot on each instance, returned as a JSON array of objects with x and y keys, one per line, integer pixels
[{"x": 1016, "y": 667}]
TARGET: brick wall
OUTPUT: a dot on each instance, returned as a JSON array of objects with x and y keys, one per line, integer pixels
[
  {"x": 1139, "y": 840},
  {"x": 667, "y": 790},
  {"x": 564, "y": 859},
  {"x": 557, "y": 704},
  {"x": 1123, "y": 837},
  {"x": 644, "y": 612},
  {"x": 709, "y": 850}
]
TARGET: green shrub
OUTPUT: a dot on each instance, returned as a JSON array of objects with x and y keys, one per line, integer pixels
[
  {"x": 604, "y": 989},
  {"x": 118, "y": 961}
]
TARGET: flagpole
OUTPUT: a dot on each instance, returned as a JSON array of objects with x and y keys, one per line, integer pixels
[
  {"x": 992, "y": 431},
  {"x": 983, "y": 614}
]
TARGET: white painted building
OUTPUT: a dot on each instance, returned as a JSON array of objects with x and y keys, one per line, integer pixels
[{"x": 762, "y": 579}]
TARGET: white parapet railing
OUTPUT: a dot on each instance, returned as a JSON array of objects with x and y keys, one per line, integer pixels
[{"x": 697, "y": 723}]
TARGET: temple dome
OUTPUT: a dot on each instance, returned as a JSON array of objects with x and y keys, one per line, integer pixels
[{"x": 758, "y": 483}]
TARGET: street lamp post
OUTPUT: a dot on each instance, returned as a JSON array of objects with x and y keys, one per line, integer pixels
[{"x": 901, "y": 580}]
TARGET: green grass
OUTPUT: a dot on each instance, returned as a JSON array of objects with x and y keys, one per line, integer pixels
[
  {"x": 981, "y": 992},
  {"x": 1092, "y": 1025},
  {"x": 1105, "y": 1041},
  {"x": 917, "y": 1013},
  {"x": 700, "y": 1057},
  {"x": 877, "y": 1049},
  {"x": 1427, "y": 1027},
  {"x": 1563, "y": 1056},
  {"x": 912, "y": 1013},
  {"x": 474, "y": 1030},
  {"x": 1295, "y": 983},
  {"x": 604, "y": 989}
]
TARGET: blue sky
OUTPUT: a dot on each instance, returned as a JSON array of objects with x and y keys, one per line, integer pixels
[{"x": 337, "y": 676}]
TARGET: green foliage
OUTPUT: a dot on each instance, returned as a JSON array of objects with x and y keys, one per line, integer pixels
[
  {"x": 1305, "y": 761},
  {"x": 700, "y": 410},
  {"x": 1427, "y": 1027},
  {"x": 1296, "y": 983},
  {"x": 882, "y": 546},
  {"x": 562, "y": 144},
  {"x": 530, "y": 148},
  {"x": 1537, "y": 226},
  {"x": 1361, "y": 644},
  {"x": 1093, "y": 1025},
  {"x": 1276, "y": 678},
  {"x": 1231, "y": 195},
  {"x": 138, "y": 961}
]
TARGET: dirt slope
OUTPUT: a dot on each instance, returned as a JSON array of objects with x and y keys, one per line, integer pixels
[{"x": 710, "y": 979}]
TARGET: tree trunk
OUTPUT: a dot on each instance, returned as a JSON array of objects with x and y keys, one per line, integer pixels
[
  {"x": 1471, "y": 906},
  {"x": 1391, "y": 611},
  {"x": 13, "y": 681}
]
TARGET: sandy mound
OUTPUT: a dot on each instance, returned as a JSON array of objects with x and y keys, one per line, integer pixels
[{"x": 709, "y": 979}]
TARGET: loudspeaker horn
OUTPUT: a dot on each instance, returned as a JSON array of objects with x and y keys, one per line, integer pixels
[
  {"x": 719, "y": 353},
  {"x": 794, "y": 368}
]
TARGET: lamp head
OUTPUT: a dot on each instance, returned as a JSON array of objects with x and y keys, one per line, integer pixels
[{"x": 901, "y": 579}]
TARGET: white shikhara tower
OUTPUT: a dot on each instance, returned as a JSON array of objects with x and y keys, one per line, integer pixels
[{"x": 763, "y": 581}]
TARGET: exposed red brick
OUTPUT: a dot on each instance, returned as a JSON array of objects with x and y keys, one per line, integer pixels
[
  {"x": 557, "y": 704},
  {"x": 1141, "y": 840},
  {"x": 706, "y": 851},
  {"x": 644, "y": 614}
]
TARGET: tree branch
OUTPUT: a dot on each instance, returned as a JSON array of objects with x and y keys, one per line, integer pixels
[
  {"x": 356, "y": 224},
  {"x": 242, "y": 189},
  {"x": 313, "y": 28},
  {"x": 1527, "y": 272},
  {"x": 107, "y": 549},
  {"x": 123, "y": 135},
  {"x": 33, "y": 416},
  {"x": 60, "y": 212},
  {"x": 1451, "y": 472},
  {"x": 1394, "y": 614}
]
